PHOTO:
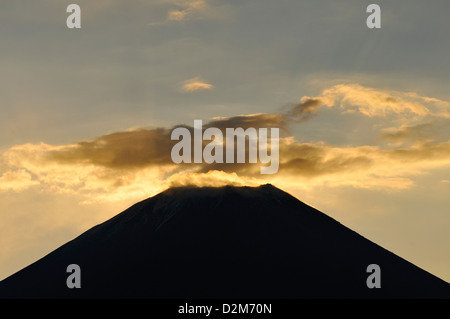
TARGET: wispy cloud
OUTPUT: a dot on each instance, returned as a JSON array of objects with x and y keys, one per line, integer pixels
[
  {"x": 185, "y": 9},
  {"x": 196, "y": 84},
  {"x": 368, "y": 101},
  {"x": 413, "y": 134}
]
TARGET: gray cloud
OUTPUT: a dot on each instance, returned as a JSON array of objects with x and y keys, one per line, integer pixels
[
  {"x": 151, "y": 146},
  {"x": 303, "y": 111}
]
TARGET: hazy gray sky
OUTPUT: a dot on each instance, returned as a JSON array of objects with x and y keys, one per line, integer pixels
[
  {"x": 156, "y": 64},
  {"x": 124, "y": 68}
]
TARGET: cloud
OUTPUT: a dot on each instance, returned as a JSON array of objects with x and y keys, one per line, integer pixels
[
  {"x": 178, "y": 12},
  {"x": 85, "y": 169},
  {"x": 177, "y": 15},
  {"x": 186, "y": 8},
  {"x": 129, "y": 149},
  {"x": 369, "y": 102},
  {"x": 430, "y": 131},
  {"x": 250, "y": 120},
  {"x": 305, "y": 110},
  {"x": 114, "y": 166},
  {"x": 16, "y": 180},
  {"x": 407, "y": 134},
  {"x": 196, "y": 84},
  {"x": 361, "y": 166},
  {"x": 137, "y": 163},
  {"x": 212, "y": 178},
  {"x": 372, "y": 102}
]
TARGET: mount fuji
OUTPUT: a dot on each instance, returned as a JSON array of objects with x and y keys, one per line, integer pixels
[{"x": 224, "y": 242}]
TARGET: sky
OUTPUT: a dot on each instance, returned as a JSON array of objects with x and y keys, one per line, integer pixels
[{"x": 364, "y": 114}]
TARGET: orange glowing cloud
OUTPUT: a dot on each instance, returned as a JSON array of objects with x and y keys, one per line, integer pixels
[{"x": 196, "y": 84}]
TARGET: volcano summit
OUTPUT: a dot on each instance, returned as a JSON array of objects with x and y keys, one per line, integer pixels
[{"x": 227, "y": 242}]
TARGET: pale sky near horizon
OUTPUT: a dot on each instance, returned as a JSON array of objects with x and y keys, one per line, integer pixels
[{"x": 85, "y": 112}]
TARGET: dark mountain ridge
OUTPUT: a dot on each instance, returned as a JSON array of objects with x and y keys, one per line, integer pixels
[{"x": 226, "y": 242}]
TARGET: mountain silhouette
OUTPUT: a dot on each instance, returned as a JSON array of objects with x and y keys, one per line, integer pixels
[{"x": 225, "y": 242}]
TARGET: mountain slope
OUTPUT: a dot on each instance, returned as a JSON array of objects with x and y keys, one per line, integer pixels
[{"x": 230, "y": 242}]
